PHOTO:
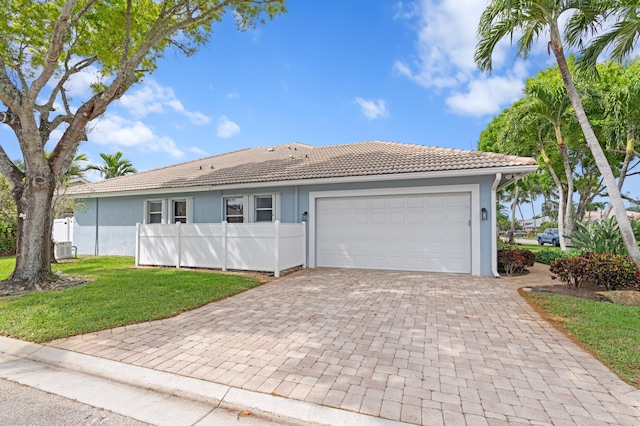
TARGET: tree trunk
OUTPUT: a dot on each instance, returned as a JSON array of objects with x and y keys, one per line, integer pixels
[
  {"x": 598, "y": 154},
  {"x": 512, "y": 238},
  {"x": 628, "y": 155},
  {"x": 33, "y": 254},
  {"x": 568, "y": 213},
  {"x": 556, "y": 179}
]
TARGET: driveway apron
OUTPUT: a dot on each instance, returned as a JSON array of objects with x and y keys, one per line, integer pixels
[{"x": 407, "y": 346}]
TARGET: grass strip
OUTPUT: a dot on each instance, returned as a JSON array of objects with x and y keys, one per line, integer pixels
[{"x": 611, "y": 332}]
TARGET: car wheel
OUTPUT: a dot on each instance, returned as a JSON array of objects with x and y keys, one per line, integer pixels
[
  {"x": 540, "y": 242},
  {"x": 555, "y": 243}
]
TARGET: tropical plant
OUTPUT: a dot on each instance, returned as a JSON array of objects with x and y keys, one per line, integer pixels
[
  {"x": 602, "y": 236},
  {"x": 113, "y": 165},
  {"x": 44, "y": 45},
  {"x": 531, "y": 18}
]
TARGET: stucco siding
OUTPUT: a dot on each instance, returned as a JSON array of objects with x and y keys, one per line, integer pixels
[{"x": 117, "y": 216}]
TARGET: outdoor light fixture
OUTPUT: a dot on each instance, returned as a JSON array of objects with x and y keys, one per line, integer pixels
[
  {"x": 485, "y": 214},
  {"x": 304, "y": 216}
]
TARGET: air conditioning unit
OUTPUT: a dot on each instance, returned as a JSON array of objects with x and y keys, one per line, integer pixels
[{"x": 63, "y": 250}]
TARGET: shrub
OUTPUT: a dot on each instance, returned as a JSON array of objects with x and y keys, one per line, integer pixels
[
  {"x": 514, "y": 261},
  {"x": 7, "y": 243},
  {"x": 571, "y": 270},
  {"x": 548, "y": 255},
  {"x": 599, "y": 237},
  {"x": 613, "y": 271}
]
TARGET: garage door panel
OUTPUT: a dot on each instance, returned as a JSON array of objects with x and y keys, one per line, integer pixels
[{"x": 423, "y": 232}]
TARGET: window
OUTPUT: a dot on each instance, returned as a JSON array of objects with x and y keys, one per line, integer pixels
[
  {"x": 234, "y": 209},
  {"x": 264, "y": 208},
  {"x": 154, "y": 211},
  {"x": 169, "y": 210},
  {"x": 179, "y": 211}
]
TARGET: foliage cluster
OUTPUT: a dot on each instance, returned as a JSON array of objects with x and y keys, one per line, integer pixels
[
  {"x": 545, "y": 225},
  {"x": 548, "y": 255},
  {"x": 514, "y": 261},
  {"x": 602, "y": 236},
  {"x": 611, "y": 271}
]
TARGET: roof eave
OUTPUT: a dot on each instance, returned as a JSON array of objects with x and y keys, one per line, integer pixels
[{"x": 516, "y": 171}]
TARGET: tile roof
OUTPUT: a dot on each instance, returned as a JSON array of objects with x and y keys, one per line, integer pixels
[{"x": 298, "y": 161}]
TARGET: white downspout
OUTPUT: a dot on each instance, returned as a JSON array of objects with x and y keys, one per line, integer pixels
[{"x": 494, "y": 226}]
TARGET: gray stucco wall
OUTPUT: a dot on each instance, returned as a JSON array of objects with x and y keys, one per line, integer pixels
[{"x": 117, "y": 216}]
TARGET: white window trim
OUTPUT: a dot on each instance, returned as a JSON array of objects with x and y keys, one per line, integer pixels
[
  {"x": 167, "y": 209},
  {"x": 249, "y": 205},
  {"x": 474, "y": 189},
  {"x": 189, "y": 200},
  {"x": 147, "y": 212}
]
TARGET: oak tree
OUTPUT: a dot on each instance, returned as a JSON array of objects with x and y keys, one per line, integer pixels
[{"x": 43, "y": 45}]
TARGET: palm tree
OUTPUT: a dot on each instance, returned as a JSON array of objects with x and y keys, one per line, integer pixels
[
  {"x": 114, "y": 166},
  {"x": 528, "y": 19}
]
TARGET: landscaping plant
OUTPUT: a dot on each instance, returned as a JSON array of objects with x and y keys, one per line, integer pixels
[
  {"x": 611, "y": 271},
  {"x": 548, "y": 255},
  {"x": 514, "y": 261},
  {"x": 603, "y": 236}
]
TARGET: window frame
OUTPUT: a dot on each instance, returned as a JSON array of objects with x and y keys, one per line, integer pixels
[
  {"x": 167, "y": 213},
  {"x": 257, "y": 209},
  {"x": 225, "y": 215},
  {"x": 249, "y": 213},
  {"x": 148, "y": 212}
]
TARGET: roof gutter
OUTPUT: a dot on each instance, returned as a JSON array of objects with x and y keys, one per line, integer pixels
[
  {"x": 515, "y": 172},
  {"x": 494, "y": 226}
]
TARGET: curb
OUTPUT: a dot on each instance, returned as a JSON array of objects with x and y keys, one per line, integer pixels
[{"x": 212, "y": 394}]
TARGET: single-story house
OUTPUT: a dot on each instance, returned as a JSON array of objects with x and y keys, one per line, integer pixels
[{"x": 378, "y": 205}]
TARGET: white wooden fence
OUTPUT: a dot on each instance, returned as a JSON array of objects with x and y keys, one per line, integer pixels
[{"x": 268, "y": 247}]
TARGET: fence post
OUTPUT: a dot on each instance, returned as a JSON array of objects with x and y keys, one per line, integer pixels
[
  {"x": 276, "y": 270},
  {"x": 304, "y": 244},
  {"x": 138, "y": 244},
  {"x": 179, "y": 244},
  {"x": 224, "y": 245}
]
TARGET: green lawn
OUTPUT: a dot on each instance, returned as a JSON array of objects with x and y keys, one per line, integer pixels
[
  {"x": 121, "y": 294},
  {"x": 611, "y": 332}
]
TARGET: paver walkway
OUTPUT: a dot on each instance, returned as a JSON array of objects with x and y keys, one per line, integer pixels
[{"x": 414, "y": 347}]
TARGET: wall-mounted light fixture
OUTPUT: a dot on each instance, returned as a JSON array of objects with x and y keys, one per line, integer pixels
[
  {"x": 484, "y": 214},
  {"x": 305, "y": 215}
]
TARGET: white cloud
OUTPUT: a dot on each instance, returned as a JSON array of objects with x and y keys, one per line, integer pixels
[
  {"x": 405, "y": 11},
  {"x": 115, "y": 132},
  {"x": 233, "y": 95},
  {"x": 151, "y": 97},
  {"x": 372, "y": 109},
  {"x": 198, "y": 151},
  {"x": 487, "y": 95},
  {"x": 446, "y": 42},
  {"x": 227, "y": 128}
]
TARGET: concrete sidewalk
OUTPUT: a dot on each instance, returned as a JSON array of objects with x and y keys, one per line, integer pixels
[{"x": 156, "y": 397}]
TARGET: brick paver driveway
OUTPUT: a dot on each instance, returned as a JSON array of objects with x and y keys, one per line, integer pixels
[{"x": 416, "y": 347}]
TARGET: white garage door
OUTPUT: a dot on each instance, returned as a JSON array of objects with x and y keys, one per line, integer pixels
[{"x": 411, "y": 232}]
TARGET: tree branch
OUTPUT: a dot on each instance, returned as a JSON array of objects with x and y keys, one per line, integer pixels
[
  {"x": 53, "y": 53},
  {"x": 13, "y": 174}
]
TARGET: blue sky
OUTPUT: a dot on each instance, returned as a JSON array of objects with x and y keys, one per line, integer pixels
[{"x": 325, "y": 73}]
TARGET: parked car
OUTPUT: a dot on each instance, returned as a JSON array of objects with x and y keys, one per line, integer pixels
[
  {"x": 549, "y": 236},
  {"x": 517, "y": 233}
]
